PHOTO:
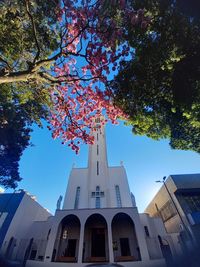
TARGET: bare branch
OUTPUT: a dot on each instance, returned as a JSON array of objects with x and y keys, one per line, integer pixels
[
  {"x": 34, "y": 31},
  {"x": 6, "y": 63}
]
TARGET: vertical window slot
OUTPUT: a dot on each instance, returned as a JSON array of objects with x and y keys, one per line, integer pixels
[{"x": 97, "y": 168}]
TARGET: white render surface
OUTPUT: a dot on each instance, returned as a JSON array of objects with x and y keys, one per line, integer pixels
[
  {"x": 108, "y": 214},
  {"x": 105, "y": 177},
  {"x": 114, "y": 217},
  {"x": 28, "y": 211}
]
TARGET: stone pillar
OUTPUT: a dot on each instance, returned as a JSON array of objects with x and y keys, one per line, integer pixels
[
  {"x": 140, "y": 238},
  {"x": 51, "y": 242},
  {"x": 110, "y": 242},
  {"x": 81, "y": 240}
]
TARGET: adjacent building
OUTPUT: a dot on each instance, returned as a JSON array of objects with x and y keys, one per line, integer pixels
[
  {"x": 18, "y": 211},
  {"x": 177, "y": 203}
]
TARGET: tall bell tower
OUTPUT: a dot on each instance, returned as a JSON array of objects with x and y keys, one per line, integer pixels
[
  {"x": 98, "y": 174},
  {"x": 98, "y": 185}
]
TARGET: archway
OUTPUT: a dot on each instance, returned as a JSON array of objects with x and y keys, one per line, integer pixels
[
  {"x": 125, "y": 244},
  {"x": 10, "y": 248},
  {"x": 95, "y": 247},
  {"x": 67, "y": 241},
  {"x": 27, "y": 252}
]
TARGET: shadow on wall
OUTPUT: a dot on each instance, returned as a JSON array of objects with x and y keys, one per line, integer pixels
[
  {"x": 6, "y": 263},
  {"x": 189, "y": 259}
]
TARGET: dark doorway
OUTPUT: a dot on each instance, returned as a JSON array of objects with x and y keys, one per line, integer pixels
[
  {"x": 10, "y": 248},
  {"x": 125, "y": 248},
  {"x": 98, "y": 242},
  {"x": 67, "y": 240},
  {"x": 27, "y": 252},
  {"x": 71, "y": 248},
  {"x": 166, "y": 251}
]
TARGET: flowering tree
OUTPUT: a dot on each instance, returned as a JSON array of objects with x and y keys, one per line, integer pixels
[{"x": 90, "y": 46}]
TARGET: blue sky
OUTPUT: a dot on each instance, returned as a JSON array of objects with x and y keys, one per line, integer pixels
[{"x": 45, "y": 166}]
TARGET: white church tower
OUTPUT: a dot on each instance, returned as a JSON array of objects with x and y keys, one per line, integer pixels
[
  {"x": 99, "y": 221},
  {"x": 98, "y": 185}
]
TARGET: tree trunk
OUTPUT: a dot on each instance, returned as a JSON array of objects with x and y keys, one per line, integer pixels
[{"x": 21, "y": 76}]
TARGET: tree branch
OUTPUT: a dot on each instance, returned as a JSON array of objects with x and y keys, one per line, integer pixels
[
  {"x": 5, "y": 62},
  {"x": 34, "y": 31},
  {"x": 19, "y": 76}
]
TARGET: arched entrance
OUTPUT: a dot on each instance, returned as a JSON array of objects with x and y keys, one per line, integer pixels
[
  {"x": 10, "y": 248},
  {"x": 95, "y": 247},
  {"x": 67, "y": 241},
  {"x": 125, "y": 245},
  {"x": 28, "y": 251}
]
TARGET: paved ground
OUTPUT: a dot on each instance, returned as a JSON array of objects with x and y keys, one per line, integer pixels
[{"x": 104, "y": 265}]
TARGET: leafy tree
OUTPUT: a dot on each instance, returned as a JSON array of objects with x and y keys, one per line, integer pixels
[
  {"x": 23, "y": 103},
  {"x": 16, "y": 117},
  {"x": 159, "y": 89},
  {"x": 55, "y": 57}
]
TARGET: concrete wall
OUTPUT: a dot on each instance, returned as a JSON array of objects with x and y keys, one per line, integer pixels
[
  {"x": 179, "y": 224},
  {"x": 8, "y": 206},
  {"x": 117, "y": 176},
  {"x": 27, "y": 212},
  {"x": 172, "y": 225},
  {"x": 78, "y": 177}
]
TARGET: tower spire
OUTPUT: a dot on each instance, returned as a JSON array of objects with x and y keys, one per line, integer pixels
[
  {"x": 98, "y": 173},
  {"x": 97, "y": 157}
]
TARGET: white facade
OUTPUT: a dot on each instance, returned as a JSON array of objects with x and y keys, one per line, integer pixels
[
  {"x": 99, "y": 221},
  {"x": 109, "y": 180}
]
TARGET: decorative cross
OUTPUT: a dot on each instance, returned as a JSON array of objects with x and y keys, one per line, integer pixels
[{"x": 97, "y": 193}]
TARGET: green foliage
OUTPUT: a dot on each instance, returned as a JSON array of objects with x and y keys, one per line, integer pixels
[
  {"x": 18, "y": 110},
  {"x": 160, "y": 88},
  {"x": 23, "y": 103},
  {"x": 18, "y": 46}
]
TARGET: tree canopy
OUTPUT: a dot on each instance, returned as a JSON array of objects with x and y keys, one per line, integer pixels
[
  {"x": 55, "y": 60},
  {"x": 159, "y": 89},
  {"x": 23, "y": 103}
]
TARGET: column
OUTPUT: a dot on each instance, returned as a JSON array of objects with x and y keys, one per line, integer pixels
[
  {"x": 81, "y": 240},
  {"x": 110, "y": 242},
  {"x": 50, "y": 244}
]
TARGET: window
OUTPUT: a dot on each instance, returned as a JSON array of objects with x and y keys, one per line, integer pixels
[
  {"x": 168, "y": 211},
  {"x": 102, "y": 194},
  {"x": 118, "y": 197},
  {"x": 146, "y": 231},
  {"x": 98, "y": 203},
  {"x": 97, "y": 188},
  {"x": 97, "y": 136},
  {"x": 77, "y": 197},
  {"x": 48, "y": 234},
  {"x": 193, "y": 201},
  {"x": 97, "y": 193},
  {"x": 97, "y": 150},
  {"x": 97, "y": 168}
]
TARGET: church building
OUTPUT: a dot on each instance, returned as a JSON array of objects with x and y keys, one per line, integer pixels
[{"x": 98, "y": 223}]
